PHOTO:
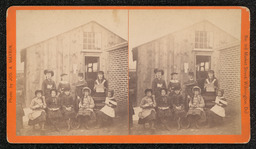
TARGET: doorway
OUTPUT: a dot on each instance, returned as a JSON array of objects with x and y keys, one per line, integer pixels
[
  {"x": 203, "y": 64},
  {"x": 91, "y": 69}
]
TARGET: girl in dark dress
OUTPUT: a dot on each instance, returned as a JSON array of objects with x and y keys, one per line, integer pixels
[
  {"x": 80, "y": 84},
  {"x": 38, "y": 115},
  {"x": 48, "y": 84},
  {"x": 158, "y": 83},
  {"x": 178, "y": 105},
  {"x": 188, "y": 88},
  {"x": 63, "y": 83},
  {"x": 53, "y": 109},
  {"x": 174, "y": 82},
  {"x": 100, "y": 85},
  {"x": 164, "y": 108},
  {"x": 67, "y": 106},
  {"x": 86, "y": 113},
  {"x": 148, "y": 113}
]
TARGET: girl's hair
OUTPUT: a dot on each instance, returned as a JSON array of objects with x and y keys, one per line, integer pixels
[
  {"x": 100, "y": 72},
  {"x": 110, "y": 91}
]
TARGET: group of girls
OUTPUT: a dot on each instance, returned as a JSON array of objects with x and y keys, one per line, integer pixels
[
  {"x": 53, "y": 104},
  {"x": 163, "y": 104}
]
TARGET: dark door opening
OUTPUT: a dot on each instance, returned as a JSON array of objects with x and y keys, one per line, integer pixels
[
  {"x": 91, "y": 69},
  {"x": 203, "y": 64}
]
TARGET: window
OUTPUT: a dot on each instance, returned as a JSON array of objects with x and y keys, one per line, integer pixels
[
  {"x": 91, "y": 41},
  {"x": 203, "y": 40}
]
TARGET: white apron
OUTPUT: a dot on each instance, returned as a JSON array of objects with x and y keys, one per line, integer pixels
[
  {"x": 100, "y": 86},
  {"x": 218, "y": 109},
  {"x": 107, "y": 109},
  {"x": 210, "y": 86}
]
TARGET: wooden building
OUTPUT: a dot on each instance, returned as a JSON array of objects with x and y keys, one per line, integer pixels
[
  {"x": 195, "y": 48},
  {"x": 88, "y": 49}
]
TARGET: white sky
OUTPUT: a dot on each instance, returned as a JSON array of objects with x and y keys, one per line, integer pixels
[
  {"x": 34, "y": 26},
  {"x": 147, "y": 25}
]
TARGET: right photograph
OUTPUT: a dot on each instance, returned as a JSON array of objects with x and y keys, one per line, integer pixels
[{"x": 184, "y": 72}]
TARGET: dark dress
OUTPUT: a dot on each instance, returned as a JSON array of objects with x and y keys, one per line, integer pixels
[
  {"x": 173, "y": 84},
  {"x": 66, "y": 102},
  {"x": 164, "y": 106},
  {"x": 62, "y": 85},
  {"x": 47, "y": 86},
  {"x": 188, "y": 91},
  {"x": 78, "y": 92},
  {"x": 178, "y": 105},
  {"x": 53, "y": 108},
  {"x": 157, "y": 84}
]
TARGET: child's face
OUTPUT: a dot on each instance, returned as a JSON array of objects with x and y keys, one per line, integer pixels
[
  {"x": 148, "y": 94},
  {"x": 163, "y": 92},
  {"x": 109, "y": 94},
  {"x": 38, "y": 95},
  {"x": 196, "y": 92},
  {"x": 191, "y": 77},
  {"x": 210, "y": 75},
  {"x": 177, "y": 91},
  {"x": 80, "y": 78},
  {"x": 100, "y": 76},
  {"x": 159, "y": 75},
  {"x": 48, "y": 75},
  {"x": 219, "y": 94},
  {"x": 86, "y": 93},
  {"x": 175, "y": 77},
  {"x": 53, "y": 94},
  {"x": 66, "y": 92}
]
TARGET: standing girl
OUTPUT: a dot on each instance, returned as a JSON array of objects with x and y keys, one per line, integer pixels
[
  {"x": 67, "y": 105},
  {"x": 148, "y": 113},
  {"x": 85, "y": 113},
  {"x": 63, "y": 83},
  {"x": 196, "y": 105},
  {"x": 158, "y": 83},
  {"x": 174, "y": 82},
  {"x": 210, "y": 85},
  {"x": 48, "y": 84},
  {"x": 80, "y": 84},
  {"x": 100, "y": 85},
  {"x": 38, "y": 115},
  {"x": 107, "y": 113},
  {"x": 53, "y": 109}
]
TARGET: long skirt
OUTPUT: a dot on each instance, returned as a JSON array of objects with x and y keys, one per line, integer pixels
[
  {"x": 85, "y": 113},
  {"x": 197, "y": 113},
  {"x": 162, "y": 114},
  {"x": 54, "y": 114},
  {"x": 179, "y": 113},
  {"x": 40, "y": 119},
  {"x": 68, "y": 114},
  {"x": 104, "y": 118},
  {"x": 149, "y": 118}
]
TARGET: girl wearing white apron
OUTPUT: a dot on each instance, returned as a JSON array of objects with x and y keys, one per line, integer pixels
[{"x": 100, "y": 85}]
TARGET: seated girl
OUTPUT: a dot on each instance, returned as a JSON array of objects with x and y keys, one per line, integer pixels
[
  {"x": 178, "y": 105},
  {"x": 164, "y": 108},
  {"x": 217, "y": 112},
  {"x": 148, "y": 113},
  {"x": 107, "y": 113},
  {"x": 38, "y": 115},
  {"x": 53, "y": 109},
  {"x": 85, "y": 113},
  {"x": 196, "y": 112},
  {"x": 67, "y": 106}
]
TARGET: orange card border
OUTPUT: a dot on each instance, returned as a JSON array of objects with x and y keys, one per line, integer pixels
[{"x": 11, "y": 86}]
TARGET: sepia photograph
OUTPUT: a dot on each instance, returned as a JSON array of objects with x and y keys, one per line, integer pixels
[
  {"x": 72, "y": 68},
  {"x": 184, "y": 72}
]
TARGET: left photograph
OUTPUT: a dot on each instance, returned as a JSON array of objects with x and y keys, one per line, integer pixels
[{"x": 72, "y": 72}]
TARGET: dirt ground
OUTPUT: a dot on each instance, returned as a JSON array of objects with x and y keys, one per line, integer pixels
[
  {"x": 119, "y": 127},
  {"x": 231, "y": 125}
]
